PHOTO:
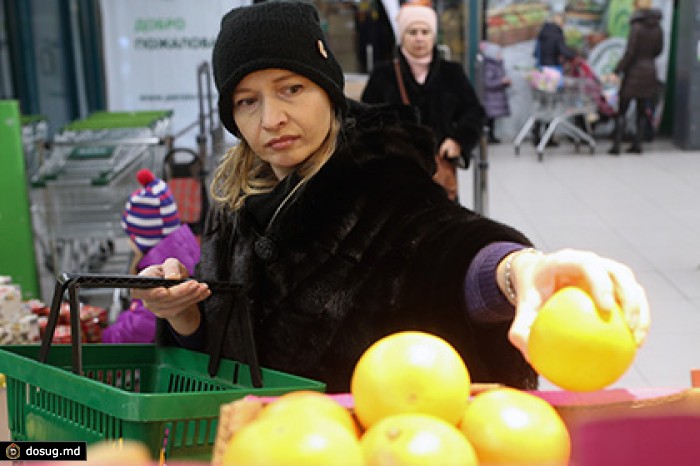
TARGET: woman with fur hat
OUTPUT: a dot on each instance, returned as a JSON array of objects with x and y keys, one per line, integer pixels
[
  {"x": 151, "y": 221},
  {"x": 438, "y": 89},
  {"x": 330, "y": 225}
]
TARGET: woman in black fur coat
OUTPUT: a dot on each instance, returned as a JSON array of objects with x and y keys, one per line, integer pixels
[{"x": 328, "y": 221}]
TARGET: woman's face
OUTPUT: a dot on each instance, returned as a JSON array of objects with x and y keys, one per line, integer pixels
[
  {"x": 418, "y": 39},
  {"x": 283, "y": 116}
]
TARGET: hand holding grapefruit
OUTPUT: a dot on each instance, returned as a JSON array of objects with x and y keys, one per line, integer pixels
[{"x": 578, "y": 347}]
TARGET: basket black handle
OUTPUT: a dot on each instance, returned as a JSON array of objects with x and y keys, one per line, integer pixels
[{"x": 71, "y": 282}]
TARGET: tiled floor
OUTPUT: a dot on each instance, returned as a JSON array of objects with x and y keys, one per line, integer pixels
[{"x": 643, "y": 210}]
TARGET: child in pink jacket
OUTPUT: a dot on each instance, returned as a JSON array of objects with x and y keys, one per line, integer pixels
[{"x": 151, "y": 221}]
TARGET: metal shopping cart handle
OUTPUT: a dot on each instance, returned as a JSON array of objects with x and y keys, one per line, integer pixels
[{"x": 71, "y": 282}]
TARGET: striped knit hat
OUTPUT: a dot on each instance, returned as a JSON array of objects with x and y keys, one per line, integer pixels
[{"x": 150, "y": 213}]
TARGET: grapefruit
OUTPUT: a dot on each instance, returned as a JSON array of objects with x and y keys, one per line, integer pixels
[
  {"x": 410, "y": 372},
  {"x": 293, "y": 440},
  {"x": 578, "y": 347},
  {"x": 306, "y": 403},
  {"x": 513, "y": 427},
  {"x": 416, "y": 439}
]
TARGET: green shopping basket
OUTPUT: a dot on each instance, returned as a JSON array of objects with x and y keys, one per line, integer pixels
[{"x": 140, "y": 392}]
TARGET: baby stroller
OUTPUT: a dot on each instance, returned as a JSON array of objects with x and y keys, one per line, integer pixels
[
  {"x": 602, "y": 96},
  {"x": 184, "y": 172}
]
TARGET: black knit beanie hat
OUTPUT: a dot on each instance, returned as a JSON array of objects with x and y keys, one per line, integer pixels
[{"x": 284, "y": 35}]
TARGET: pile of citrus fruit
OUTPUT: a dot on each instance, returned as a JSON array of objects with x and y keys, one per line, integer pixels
[{"x": 412, "y": 406}]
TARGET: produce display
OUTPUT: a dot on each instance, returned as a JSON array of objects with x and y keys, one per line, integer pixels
[
  {"x": 514, "y": 23},
  {"x": 412, "y": 403},
  {"x": 584, "y": 27},
  {"x": 23, "y": 321},
  {"x": 586, "y": 22},
  {"x": 18, "y": 324},
  {"x": 92, "y": 320}
]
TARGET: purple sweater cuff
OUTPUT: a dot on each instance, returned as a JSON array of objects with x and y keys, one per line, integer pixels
[{"x": 485, "y": 300}]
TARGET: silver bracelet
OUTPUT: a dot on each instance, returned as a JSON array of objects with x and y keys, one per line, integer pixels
[{"x": 507, "y": 275}]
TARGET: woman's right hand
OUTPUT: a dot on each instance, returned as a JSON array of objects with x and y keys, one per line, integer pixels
[{"x": 176, "y": 304}]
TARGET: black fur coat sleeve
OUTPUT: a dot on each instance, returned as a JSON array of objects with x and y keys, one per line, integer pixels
[{"x": 369, "y": 246}]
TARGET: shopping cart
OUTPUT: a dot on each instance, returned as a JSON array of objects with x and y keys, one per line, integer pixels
[
  {"x": 86, "y": 179},
  {"x": 559, "y": 101}
]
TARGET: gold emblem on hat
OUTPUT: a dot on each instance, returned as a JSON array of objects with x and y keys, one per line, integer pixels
[{"x": 322, "y": 49}]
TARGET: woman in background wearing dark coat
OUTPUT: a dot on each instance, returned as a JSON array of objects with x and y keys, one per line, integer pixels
[
  {"x": 638, "y": 67},
  {"x": 496, "y": 82},
  {"x": 437, "y": 88}
]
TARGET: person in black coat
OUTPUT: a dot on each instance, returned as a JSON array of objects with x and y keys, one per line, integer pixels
[
  {"x": 550, "y": 50},
  {"x": 437, "y": 88},
  {"x": 550, "y": 45},
  {"x": 329, "y": 224},
  {"x": 638, "y": 67}
]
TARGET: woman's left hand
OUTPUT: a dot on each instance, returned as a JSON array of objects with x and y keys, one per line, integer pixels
[{"x": 538, "y": 276}]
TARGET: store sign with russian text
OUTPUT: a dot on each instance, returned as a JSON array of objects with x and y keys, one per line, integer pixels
[{"x": 153, "y": 51}]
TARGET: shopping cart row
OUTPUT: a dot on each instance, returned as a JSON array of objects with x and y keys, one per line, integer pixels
[{"x": 87, "y": 173}]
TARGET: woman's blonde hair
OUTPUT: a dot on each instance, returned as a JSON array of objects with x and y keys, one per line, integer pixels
[
  {"x": 642, "y": 4},
  {"x": 242, "y": 173}
]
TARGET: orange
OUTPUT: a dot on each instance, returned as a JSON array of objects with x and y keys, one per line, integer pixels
[
  {"x": 512, "y": 427},
  {"x": 416, "y": 439},
  {"x": 576, "y": 346},
  {"x": 293, "y": 440},
  {"x": 410, "y": 372},
  {"x": 304, "y": 403}
]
